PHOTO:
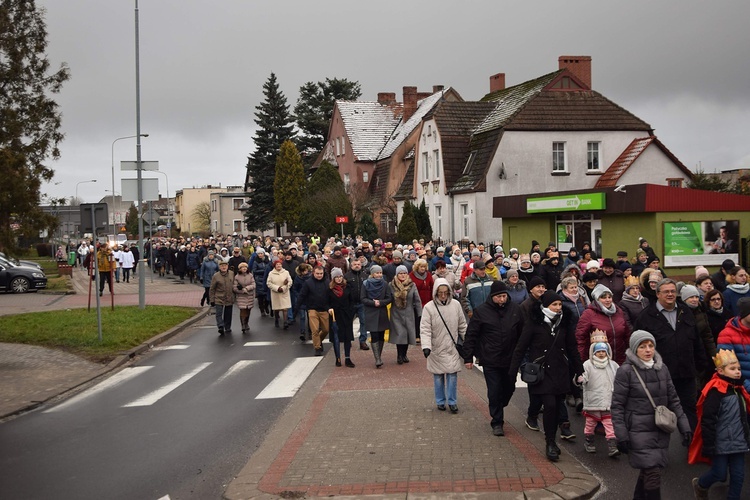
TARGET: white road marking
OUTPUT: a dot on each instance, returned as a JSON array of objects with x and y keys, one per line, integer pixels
[
  {"x": 237, "y": 367},
  {"x": 287, "y": 383},
  {"x": 165, "y": 497},
  {"x": 159, "y": 393},
  {"x": 259, "y": 344},
  {"x": 114, "y": 380},
  {"x": 171, "y": 347}
]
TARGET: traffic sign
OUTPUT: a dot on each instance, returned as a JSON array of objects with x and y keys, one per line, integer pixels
[{"x": 342, "y": 219}]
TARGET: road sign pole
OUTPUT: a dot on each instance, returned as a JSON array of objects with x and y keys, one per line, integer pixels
[{"x": 97, "y": 277}]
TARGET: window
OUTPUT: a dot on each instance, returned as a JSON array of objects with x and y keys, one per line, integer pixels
[
  {"x": 237, "y": 224},
  {"x": 387, "y": 223},
  {"x": 469, "y": 162},
  {"x": 465, "y": 220},
  {"x": 593, "y": 155},
  {"x": 674, "y": 183},
  {"x": 213, "y": 205},
  {"x": 343, "y": 146},
  {"x": 365, "y": 176},
  {"x": 439, "y": 220},
  {"x": 425, "y": 168},
  {"x": 436, "y": 154},
  {"x": 346, "y": 182},
  {"x": 558, "y": 157},
  {"x": 237, "y": 203},
  {"x": 216, "y": 225}
]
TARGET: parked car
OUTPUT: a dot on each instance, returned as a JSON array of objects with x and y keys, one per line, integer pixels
[
  {"x": 20, "y": 279},
  {"x": 26, "y": 263}
]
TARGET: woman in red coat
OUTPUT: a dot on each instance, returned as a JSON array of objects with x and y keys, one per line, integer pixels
[
  {"x": 422, "y": 279},
  {"x": 603, "y": 314}
]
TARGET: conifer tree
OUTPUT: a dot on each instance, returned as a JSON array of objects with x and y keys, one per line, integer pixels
[
  {"x": 289, "y": 186},
  {"x": 422, "y": 218},
  {"x": 30, "y": 120},
  {"x": 367, "y": 228},
  {"x": 325, "y": 199},
  {"x": 131, "y": 221},
  {"x": 407, "y": 226},
  {"x": 274, "y": 127}
]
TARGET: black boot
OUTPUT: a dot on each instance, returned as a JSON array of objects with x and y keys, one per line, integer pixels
[{"x": 552, "y": 451}]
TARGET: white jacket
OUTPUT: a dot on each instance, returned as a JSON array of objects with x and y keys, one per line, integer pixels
[{"x": 598, "y": 383}]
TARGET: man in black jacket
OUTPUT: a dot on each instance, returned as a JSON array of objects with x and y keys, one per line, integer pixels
[
  {"x": 673, "y": 326},
  {"x": 492, "y": 335},
  {"x": 354, "y": 278},
  {"x": 314, "y": 295}
]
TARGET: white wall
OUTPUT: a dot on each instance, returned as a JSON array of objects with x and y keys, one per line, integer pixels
[{"x": 653, "y": 167}]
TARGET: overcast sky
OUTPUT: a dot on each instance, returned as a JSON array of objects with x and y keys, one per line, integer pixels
[{"x": 680, "y": 65}]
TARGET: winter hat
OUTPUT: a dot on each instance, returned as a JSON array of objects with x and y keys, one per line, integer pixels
[
  {"x": 592, "y": 264},
  {"x": 211, "y": 252},
  {"x": 440, "y": 249},
  {"x": 589, "y": 276},
  {"x": 335, "y": 272},
  {"x": 479, "y": 264},
  {"x": 242, "y": 265},
  {"x": 600, "y": 290},
  {"x": 511, "y": 273},
  {"x": 700, "y": 271},
  {"x": 376, "y": 269},
  {"x": 638, "y": 337},
  {"x": 498, "y": 249},
  {"x": 688, "y": 291},
  {"x": 337, "y": 248},
  {"x": 622, "y": 253},
  {"x": 743, "y": 307},
  {"x": 535, "y": 281},
  {"x": 655, "y": 277},
  {"x": 608, "y": 263},
  {"x": 223, "y": 263},
  {"x": 402, "y": 269},
  {"x": 497, "y": 288},
  {"x": 524, "y": 257},
  {"x": 261, "y": 251},
  {"x": 640, "y": 252},
  {"x": 549, "y": 297},
  {"x": 398, "y": 254},
  {"x": 537, "y": 254},
  {"x": 600, "y": 346},
  {"x": 476, "y": 252}
]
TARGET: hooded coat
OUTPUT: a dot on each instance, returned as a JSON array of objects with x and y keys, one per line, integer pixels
[
  {"x": 443, "y": 357},
  {"x": 598, "y": 383},
  {"x": 616, "y": 327},
  {"x": 633, "y": 415}
]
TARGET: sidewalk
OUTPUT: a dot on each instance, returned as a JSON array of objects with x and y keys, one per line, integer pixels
[{"x": 362, "y": 431}]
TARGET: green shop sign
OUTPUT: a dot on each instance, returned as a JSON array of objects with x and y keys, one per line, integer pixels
[{"x": 567, "y": 203}]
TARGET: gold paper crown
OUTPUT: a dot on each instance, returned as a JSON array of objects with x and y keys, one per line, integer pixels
[
  {"x": 598, "y": 336},
  {"x": 631, "y": 281},
  {"x": 724, "y": 357}
]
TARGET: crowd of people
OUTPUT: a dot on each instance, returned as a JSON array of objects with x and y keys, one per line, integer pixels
[{"x": 610, "y": 334}]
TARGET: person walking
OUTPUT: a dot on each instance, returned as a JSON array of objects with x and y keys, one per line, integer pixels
[
  {"x": 355, "y": 278},
  {"x": 126, "y": 262},
  {"x": 406, "y": 307},
  {"x": 279, "y": 282},
  {"x": 221, "y": 297},
  {"x": 633, "y": 413},
  {"x": 443, "y": 324},
  {"x": 208, "y": 268},
  {"x": 603, "y": 314},
  {"x": 375, "y": 296},
  {"x": 598, "y": 381},
  {"x": 105, "y": 265},
  {"x": 244, "y": 294},
  {"x": 315, "y": 297},
  {"x": 737, "y": 288},
  {"x": 492, "y": 336},
  {"x": 259, "y": 269},
  {"x": 341, "y": 299},
  {"x": 193, "y": 262}
]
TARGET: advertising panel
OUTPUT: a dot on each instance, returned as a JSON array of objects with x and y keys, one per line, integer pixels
[{"x": 700, "y": 243}]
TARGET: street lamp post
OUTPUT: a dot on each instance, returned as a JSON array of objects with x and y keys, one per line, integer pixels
[
  {"x": 113, "y": 175},
  {"x": 169, "y": 212},
  {"x": 77, "y": 200}
]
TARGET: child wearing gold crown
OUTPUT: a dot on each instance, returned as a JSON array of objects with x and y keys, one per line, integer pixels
[{"x": 722, "y": 436}]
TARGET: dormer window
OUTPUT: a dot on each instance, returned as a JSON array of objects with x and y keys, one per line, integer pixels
[{"x": 469, "y": 162}]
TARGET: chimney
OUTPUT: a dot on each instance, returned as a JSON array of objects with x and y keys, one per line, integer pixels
[
  {"x": 580, "y": 66},
  {"x": 410, "y": 102},
  {"x": 437, "y": 88},
  {"x": 386, "y": 98},
  {"x": 497, "y": 82}
]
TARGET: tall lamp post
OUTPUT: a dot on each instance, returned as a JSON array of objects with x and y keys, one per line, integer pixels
[
  {"x": 169, "y": 212},
  {"x": 112, "y": 227},
  {"x": 77, "y": 200}
]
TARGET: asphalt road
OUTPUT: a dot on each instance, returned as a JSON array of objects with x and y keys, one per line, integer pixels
[{"x": 181, "y": 421}]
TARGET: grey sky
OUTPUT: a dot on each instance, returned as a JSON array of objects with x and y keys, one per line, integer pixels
[{"x": 680, "y": 65}]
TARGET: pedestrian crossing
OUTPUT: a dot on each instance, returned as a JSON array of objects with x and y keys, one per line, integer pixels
[{"x": 285, "y": 385}]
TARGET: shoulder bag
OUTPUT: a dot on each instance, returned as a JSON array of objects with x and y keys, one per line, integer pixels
[
  {"x": 664, "y": 418},
  {"x": 459, "y": 344},
  {"x": 532, "y": 372}
]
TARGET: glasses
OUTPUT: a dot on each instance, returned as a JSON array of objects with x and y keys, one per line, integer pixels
[{"x": 715, "y": 299}]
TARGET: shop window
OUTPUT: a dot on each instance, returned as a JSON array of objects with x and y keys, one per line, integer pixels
[
  {"x": 593, "y": 164},
  {"x": 558, "y": 157}
]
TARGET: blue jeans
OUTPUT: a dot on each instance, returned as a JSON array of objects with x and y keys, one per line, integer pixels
[
  {"x": 290, "y": 311},
  {"x": 441, "y": 380},
  {"x": 360, "y": 311},
  {"x": 735, "y": 463}
]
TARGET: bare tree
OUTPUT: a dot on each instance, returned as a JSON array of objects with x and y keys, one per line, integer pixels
[{"x": 201, "y": 216}]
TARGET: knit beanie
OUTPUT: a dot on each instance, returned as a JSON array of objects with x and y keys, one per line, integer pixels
[
  {"x": 397, "y": 254},
  {"x": 511, "y": 273},
  {"x": 600, "y": 290},
  {"x": 549, "y": 297},
  {"x": 535, "y": 281},
  {"x": 376, "y": 269},
  {"x": 688, "y": 291},
  {"x": 743, "y": 307},
  {"x": 476, "y": 252},
  {"x": 497, "y": 288},
  {"x": 700, "y": 271},
  {"x": 639, "y": 336},
  {"x": 589, "y": 276},
  {"x": 600, "y": 346},
  {"x": 592, "y": 264},
  {"x": 402, "y": 269},
  {"x": 336, "y": 272}
]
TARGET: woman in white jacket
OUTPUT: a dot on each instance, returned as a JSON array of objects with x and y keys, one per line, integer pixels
[{"x": 443, "y": 318}]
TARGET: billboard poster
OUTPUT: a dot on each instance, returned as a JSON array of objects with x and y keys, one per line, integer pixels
[
  {"x": 700, "y": 243},
  {"x": 564, "y": 236}
]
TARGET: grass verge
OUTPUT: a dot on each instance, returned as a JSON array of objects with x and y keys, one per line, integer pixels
[
  {"x": 58, "y": 284},
  {"x": 75, "y": 330}
]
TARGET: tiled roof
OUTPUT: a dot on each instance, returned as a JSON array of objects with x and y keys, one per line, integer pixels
[
  {"x": 571, "y": 111},
  {"x": 482, "y": 146},
  {"x": 612, "y": 176},
  {"x": 369, "y": 125},
  {"x": 379, "y": 184},
  {"x": 404, "y": 129},
  {"x": 406, "y": 190}
]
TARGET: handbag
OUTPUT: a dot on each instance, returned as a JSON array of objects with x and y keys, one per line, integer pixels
[
  {"x": 532, "y": 372},
  {"x": 458, "y": 344},
  {"x": 664, "y": 418}
]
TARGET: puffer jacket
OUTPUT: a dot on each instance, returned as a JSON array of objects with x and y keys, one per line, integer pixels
[
  {"x": 736, "y": 336},
  {"x": 220, "y": 292},
  {"x": 632, "y": 307},
  {"x": 244, "y": 297},
  {"x": 633, "y": 415},
  {"x": 598, "y": 383},
  {"x": 475, "y": 292},
  {"x": 259, "y": 268},
  {"x": 193, "y": 260},
  {"x": 207, "y": 271},
  {"x": 443, "y": 357},
  {"x": 723, "y": 419},
  {"x": 616, "y": 326},
  {"x": 493, "y": 333}
]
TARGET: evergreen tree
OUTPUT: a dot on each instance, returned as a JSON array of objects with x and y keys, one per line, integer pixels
[
  {"x": 325, "y": 199},
  {"x": 289, "y": 186},
  {"x": 422, "y": 218},
  {"x": 274, "y": 127},
  {"x": 29, "y": 120},
  {"x": 313, "y": 112},
  {"x": 709, "y": 182},
  {"x": 367, "y": 228},
  {"x": 407, "y": 226},
  {"x": 131, "y": 221}
]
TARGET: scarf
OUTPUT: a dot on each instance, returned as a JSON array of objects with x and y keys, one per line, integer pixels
[
  {"x": 600, "y": 363},
  {"x": 609, "y": 312},
  {"x": 374, "y": 287},
  {"x": 648, "y": 364},
  {"x": 741, "y": 289},
  {"x": 552, "y": 319},
  {"x": 400, "y": 291},
  {"x": 338, "y": 290},
  {"x": 719, "y": 310},
  {"x": 572, "y": 297},
  {"x": 421, "y": 276},
  {"x": 530, "y": 269}
]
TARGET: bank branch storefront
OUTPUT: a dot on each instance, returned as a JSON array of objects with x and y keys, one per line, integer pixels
[{"x": 685, "y": 227}]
